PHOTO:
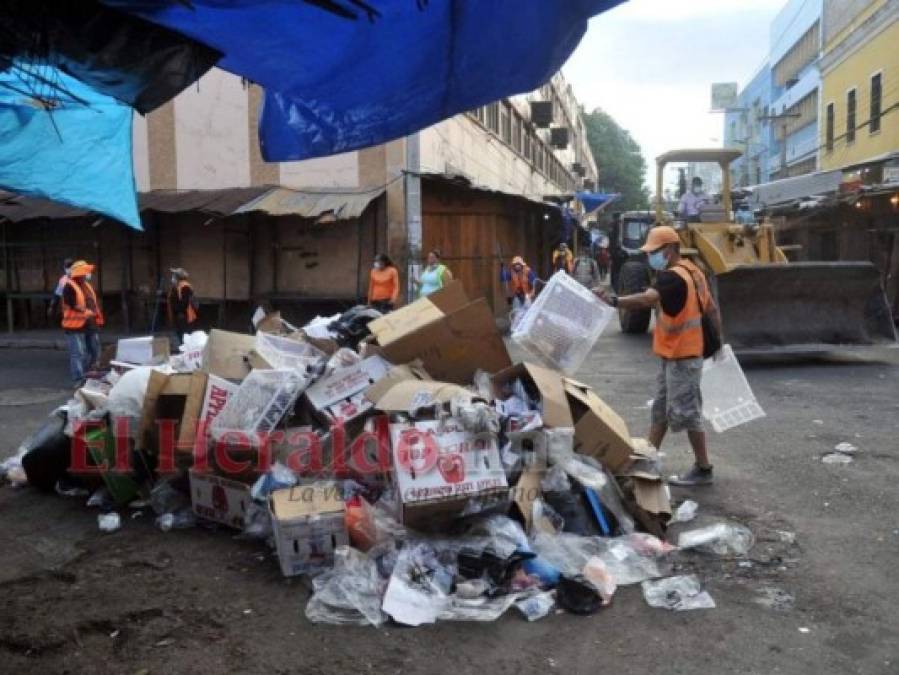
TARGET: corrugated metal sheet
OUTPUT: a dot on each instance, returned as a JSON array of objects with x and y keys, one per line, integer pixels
[{"x": 342, "y": 204}]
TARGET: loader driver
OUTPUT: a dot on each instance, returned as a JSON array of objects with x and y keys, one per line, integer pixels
[
  {"x": 679, "y": 291},
  {"x": 692, "y": 201}
]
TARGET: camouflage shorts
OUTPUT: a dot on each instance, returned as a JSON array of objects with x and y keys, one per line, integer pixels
[{"x": 678, "y": 401}]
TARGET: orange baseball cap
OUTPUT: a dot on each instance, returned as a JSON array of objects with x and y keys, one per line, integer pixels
[
  {"x": 80, "y": 268},
  {"x": 659, "y": 237}
]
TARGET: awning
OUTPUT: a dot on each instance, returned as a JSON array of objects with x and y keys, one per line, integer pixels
[
  {"x": 342, "y": 204},
  {"x": 595, "y": 200},
  {"x": 21, "y": 208}
]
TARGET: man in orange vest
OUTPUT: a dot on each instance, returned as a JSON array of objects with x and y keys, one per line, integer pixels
[
  {"x": 182, "y": 303},
  {"x": 679, "y": 293},
  {"x": 519, "y": 280},
  {"x": 82, "y": 317}
]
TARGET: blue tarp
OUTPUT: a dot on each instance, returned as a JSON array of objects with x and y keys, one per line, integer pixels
[
  {"x": 334, "y": 84},
  {"x": 593, "y": 200},
  {"x": 78, "y": 152}
]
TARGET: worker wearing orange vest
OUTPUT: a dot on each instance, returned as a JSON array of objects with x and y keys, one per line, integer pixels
[
  {"x": 680, "y": 293},
  {"x": 519, "y": 280},
  {"x": 82, "y": 317},
  {"x": 182, "y": 303}
]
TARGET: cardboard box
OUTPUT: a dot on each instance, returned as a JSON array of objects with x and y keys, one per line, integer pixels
[
  {"x": 309, "y": 523},
  {"x": 437, "y": 467},
  {"x": 548, "y": 383},
  {"x": 341, "y": 395},
  {"x": 219, "y": 499},
  {"x": 226, "y": 354},
  {"x": 407, "y": 388},
  {"x": 415, "y": 315},
  {"x": 176, "y": 397},
  {"x": 599, "y": 431},
  {"x": 453, "y": 346},
  {"x": 143, "y": 351}
]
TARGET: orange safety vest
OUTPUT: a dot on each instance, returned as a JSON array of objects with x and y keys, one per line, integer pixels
[
  {"x": 520, "y": 282},
  {"x": 75, "y": 318},
  {"x": 680, "y": 337},
  {"x": 191, "y": 312}
]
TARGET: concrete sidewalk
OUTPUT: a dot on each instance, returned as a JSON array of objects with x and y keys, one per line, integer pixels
[{"x": 47, "y": 339}]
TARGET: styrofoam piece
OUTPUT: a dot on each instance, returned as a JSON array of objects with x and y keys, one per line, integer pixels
[
  {"x": 727, "y": 400},
  {"x": 259, "y": 404},
  {"x": 563, "y": 323},
  {"x": 286, "y": 353}
]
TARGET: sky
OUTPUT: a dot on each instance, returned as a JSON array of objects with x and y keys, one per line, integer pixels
[{"x": 651, "y": 63}]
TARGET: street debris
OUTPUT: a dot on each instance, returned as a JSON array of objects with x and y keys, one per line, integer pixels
[
  {"x": 846, "y": 448},
  {"x": 400, "y": 461},
  {"x": 836, "y": 458},
  {"x": 679, "y": 594}
]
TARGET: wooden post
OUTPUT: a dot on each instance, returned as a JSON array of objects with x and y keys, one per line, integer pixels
[{"x": 126, "y": 277}]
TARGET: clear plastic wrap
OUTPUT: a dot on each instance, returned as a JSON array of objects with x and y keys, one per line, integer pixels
[
  {"x": 680, "y": 594},
  {"x": 348, "y": 594},
  {"x": 536, "y": 606},
  {"x": 589, "y": 473},
  {"x": 720, "y": 539},
  {"x": 563, "y": 323},
  {"x": 288, "y": 354}
]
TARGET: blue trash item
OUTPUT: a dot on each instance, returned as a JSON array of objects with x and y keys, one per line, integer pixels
[
  {"x": 343, "y": 79},
  {"x": 66, "y": 142},
  {"x": 596, "y": 506}
]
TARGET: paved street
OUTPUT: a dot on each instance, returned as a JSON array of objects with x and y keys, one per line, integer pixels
[{"x": 197, "y": 601}]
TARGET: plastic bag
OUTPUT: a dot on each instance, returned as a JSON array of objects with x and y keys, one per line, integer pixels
[
  {"x": 536, "y": 606},
  {"x": 555, "y": 480},
  {"x": 476, "y": 609},
  {"x": 598, "y": 574},
  {"x": 476, "y": 417},
  {"x": 419, "y": 586},
  {"x": 126, "y": 398},
  {"x": 680, "y": 594},
  {"x": 165, "y": 498},
  {"x": 559, "y": 442},
  {"x": 277, "y": 478},
  {"x": 342, "y": 358},
  {"x": 720, "y": 539},
  {"x": 179, "y": 520},
  {"x": 685, "y": 512},
  {"x": 109, "y": 522},
  {"x": 348, "y": 594},
  {"x": 589, "y": 473}
]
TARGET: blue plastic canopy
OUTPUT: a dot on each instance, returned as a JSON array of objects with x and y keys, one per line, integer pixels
[
  {"x": 69, "y": 143},
  {"x": 593, "y": 200},
  {"x": 335, "y": 84}
]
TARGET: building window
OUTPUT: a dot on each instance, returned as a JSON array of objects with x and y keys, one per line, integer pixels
[
  {"x": 505, "y": 123},
  {"x": 493, "y": 117},
  {"x": 828, "y": 130},
  {"x": 876, "y": 101},
  {"x": 516, "y": 133},
  {"x": 850, "y": 116},
  {"x": 527, "y": 145}
]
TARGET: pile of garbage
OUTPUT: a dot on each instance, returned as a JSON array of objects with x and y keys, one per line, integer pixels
[{"x": 402, "y": 461}]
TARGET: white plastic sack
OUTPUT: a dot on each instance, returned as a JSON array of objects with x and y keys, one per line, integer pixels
[{"x": 126, "y": 398}]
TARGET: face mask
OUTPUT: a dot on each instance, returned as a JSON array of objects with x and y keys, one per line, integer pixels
[
  {"x": 517, "y": 268},
  {"x": 697, "y": 190},
  {"x": 88, "y": 276},
  {"x": 657, "y": 260},
  {"x": 379, "y": 265}
]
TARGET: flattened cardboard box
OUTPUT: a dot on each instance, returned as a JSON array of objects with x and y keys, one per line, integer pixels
[
  {"x": 341, "y": 395},
  {"x": 308, "y": 522},
  {"x": 417, "y": 314},
  {"x": 550, "y": 385},
  {"x": 143, "y": 351},
  {"x": 453, "y": 347},
  {"x": 599, "y": 431},
  {"x": 226, "y": 354},
  {"x": 405, "y": 388},
  {"x": 219, "y": 499}
]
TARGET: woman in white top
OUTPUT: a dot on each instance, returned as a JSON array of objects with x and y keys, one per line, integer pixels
[{"x": 434, "y": 276}]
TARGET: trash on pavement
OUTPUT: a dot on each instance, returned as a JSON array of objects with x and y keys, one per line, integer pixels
[
  {"x": 536, "y": 606},
  {"x": 836, "y": 458},
  {"x": 309, "y": 524},
  {"x": 720, "y": 538},
  {"x": 680, "y": 594},
  {"x": 685, "y": 512},
  {"x": 846, "y": 448},
  {"x": 109, "y": 522}
]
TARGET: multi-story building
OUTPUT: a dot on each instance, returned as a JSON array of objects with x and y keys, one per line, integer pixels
[
  {"x": 860, "y": 82},
  {"x": 747, "y": 127},
  {"x": 474, "y": 186},
  {"x": 794, "y": 53}
]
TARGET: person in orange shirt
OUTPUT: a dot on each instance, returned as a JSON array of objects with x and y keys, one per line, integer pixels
[
  {"x": 82, "y": 318},
  {"x": 383, "y": 284}
]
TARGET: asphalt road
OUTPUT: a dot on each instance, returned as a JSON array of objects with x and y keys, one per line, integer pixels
[{"x": 197, "y": 601}]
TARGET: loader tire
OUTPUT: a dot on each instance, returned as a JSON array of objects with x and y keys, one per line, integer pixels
[{"x": 633, "y": 278}]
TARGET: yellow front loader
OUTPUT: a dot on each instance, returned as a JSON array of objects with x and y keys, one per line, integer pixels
[{"x": 768, "y": 304}]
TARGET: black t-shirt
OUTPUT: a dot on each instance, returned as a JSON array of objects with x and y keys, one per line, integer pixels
[{"x": 673, "y": 291}]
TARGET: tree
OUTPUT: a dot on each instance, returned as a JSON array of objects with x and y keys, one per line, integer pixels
[{"x": 621, "y": 165}]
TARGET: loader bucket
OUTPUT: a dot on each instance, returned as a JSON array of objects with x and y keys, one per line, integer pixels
[{"x": 804, "y": 307}]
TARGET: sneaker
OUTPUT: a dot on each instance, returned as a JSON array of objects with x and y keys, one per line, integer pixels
[{"x": 695, "y": 476}]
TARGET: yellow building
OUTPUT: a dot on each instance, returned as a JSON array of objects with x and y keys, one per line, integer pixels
[{"x": 860, "y": 81}]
